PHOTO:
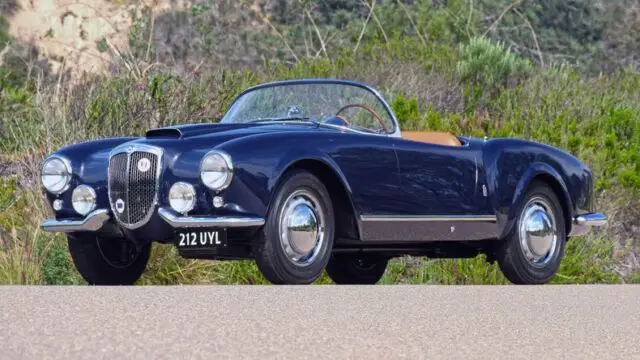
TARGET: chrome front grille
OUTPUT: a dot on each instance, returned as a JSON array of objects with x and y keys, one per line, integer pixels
[
  {"x": 133, "y": 183},
  {"x": 118, "y": 185}
]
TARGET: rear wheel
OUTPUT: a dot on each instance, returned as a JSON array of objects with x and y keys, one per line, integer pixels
[
  {"x": 356, "y": 268},
  {"x": 296, "y": 241},
  {"x": 108, "y": 261},
  {"x": 532, "y": 252}
]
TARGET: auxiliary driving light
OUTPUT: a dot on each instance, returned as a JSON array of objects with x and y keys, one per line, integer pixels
[
  {"x": 83, "y": 199},
  {"x": 182, "y": 197}
]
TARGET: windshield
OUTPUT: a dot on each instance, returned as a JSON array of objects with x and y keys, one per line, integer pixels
[{"x": 334, "y": 103}]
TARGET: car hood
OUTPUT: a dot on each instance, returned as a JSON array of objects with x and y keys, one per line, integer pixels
[
  {"x": 175, "y": 140},
  {"x": 182, "y": 138},
  {"x": 192, "y": 130}
]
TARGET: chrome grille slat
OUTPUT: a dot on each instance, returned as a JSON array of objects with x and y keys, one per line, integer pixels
[
  {"x": 142, "y": 187},
  {"x": 118, "y": 182},
  {"x": 138, "y": 189},
  {"x": 128, "y": 175}
]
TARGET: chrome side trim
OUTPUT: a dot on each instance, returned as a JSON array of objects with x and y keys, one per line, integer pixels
[
  {"x": 92, "y": 222},
  {"x": 422, "y": 218},
  {"x": 178, "y": 221},
  {"x": 583, "y": 223},
  {"x": 129, "y": 149}
]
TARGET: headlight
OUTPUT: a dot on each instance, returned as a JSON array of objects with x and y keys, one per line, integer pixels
[
  {"x": 83, "y": 199},
  {"x": 182, "y": 197},
  {"x": 216, "y": 170},
  {"x": 56, "y": 175}
]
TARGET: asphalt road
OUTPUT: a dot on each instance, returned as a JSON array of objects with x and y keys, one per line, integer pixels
[{"x": 320, "y": 322}]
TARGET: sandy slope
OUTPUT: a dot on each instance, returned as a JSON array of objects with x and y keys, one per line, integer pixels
[{"x": 68, "y": 31}]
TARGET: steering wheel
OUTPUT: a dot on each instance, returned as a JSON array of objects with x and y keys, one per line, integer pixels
[{"x": 365, "y": 107}]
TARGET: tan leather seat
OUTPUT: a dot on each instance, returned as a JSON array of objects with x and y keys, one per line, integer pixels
[{"x": 432, "y": 137}]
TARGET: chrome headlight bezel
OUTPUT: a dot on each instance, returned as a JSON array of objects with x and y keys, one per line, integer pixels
[
  {"x": 89, "y": 194},
  {"x": 64, "y": 170},
  {"x": 182, "y": 191},
  {"x": 216, "y": 160}
]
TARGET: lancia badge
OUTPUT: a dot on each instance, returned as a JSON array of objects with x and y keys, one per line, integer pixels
[
  {"x": 119, "y": 206},
  {"x": 144, "y": 165}
]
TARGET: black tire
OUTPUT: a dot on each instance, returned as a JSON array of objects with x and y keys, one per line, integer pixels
[
  {"x": 108, "y": 261},
  {"x": 511, "y": 257},
  {"x": 356, "y": 268},
  {"x": 270, "y": 254}
]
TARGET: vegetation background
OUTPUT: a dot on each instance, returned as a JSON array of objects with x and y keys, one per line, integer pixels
[{"x": 562, "y": 72}]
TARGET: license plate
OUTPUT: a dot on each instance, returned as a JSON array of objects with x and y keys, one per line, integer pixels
[{"x": 199, "y": 239}]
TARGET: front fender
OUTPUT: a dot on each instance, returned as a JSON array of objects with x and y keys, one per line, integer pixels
[
  {"x": 89, "y": 161},
  {"x": 535, "y": 169},
  {"x": 288, "y": 162},
  {"x": 259, "y": 171}
]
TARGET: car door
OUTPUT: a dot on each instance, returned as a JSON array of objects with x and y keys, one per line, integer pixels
[
  {"x": 439, "y": 180},
  {"x": 370, "y": 166},
  {"x": 442, "y": 193}
]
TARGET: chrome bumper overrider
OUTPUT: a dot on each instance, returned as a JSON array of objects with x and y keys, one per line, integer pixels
[
  {"x": 179, "y": 221},
  {"x": 582, "y": 223},
  {"x": 92, "y": 222}
]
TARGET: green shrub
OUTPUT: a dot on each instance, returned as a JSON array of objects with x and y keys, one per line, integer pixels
[
  {"x": 57, "y": 267},
  {"x": 406, "y": 111},
  {"x": 486, "y": 68},
  {"x": 5, "y": 37}
]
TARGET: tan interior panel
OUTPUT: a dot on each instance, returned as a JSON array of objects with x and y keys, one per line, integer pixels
[{"x": 432, "y": 137}]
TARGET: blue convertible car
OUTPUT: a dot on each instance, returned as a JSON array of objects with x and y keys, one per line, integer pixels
[{"x": 309, "y": 175}]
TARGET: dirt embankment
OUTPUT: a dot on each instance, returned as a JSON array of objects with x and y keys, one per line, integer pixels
[{"x": 79, "y": 35}]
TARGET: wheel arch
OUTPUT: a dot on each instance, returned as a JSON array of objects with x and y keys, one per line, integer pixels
[
  {"x": 548, "y": 175},
  {"x": 347, "y": 224}
]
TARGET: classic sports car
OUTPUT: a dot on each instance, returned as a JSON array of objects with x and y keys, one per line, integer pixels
[{"x": 311, "y": 174}]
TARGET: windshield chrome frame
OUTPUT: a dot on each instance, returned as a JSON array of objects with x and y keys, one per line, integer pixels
[{"x": 394, "y": 120}]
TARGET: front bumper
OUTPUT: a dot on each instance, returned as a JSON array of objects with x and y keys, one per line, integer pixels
[
  {"x": 94, "y": 221},
  {"x": 179, "y": 221},
  {"x": 98, "y": 218},
  {"x": 583, "y": 223}
]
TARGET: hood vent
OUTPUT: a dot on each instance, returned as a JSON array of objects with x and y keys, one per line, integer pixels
[{"x": 164, "y": 133}]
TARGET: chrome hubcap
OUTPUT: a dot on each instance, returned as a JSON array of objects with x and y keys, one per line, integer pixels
[
  {"x": 302, "y": 228},
  {"x": 538, "y": 234}
]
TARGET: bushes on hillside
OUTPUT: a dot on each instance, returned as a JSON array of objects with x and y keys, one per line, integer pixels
[
  {"x": 596, "y": 119},
  {"x": 485, "y": 68}
]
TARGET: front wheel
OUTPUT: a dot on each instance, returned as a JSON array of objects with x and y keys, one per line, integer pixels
[
  {"x": 108, "y": 261},
  {"x": 296, "y": 241},
  {"x": 531, "y": 253},
  {"x": 356, "y": 268}
]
